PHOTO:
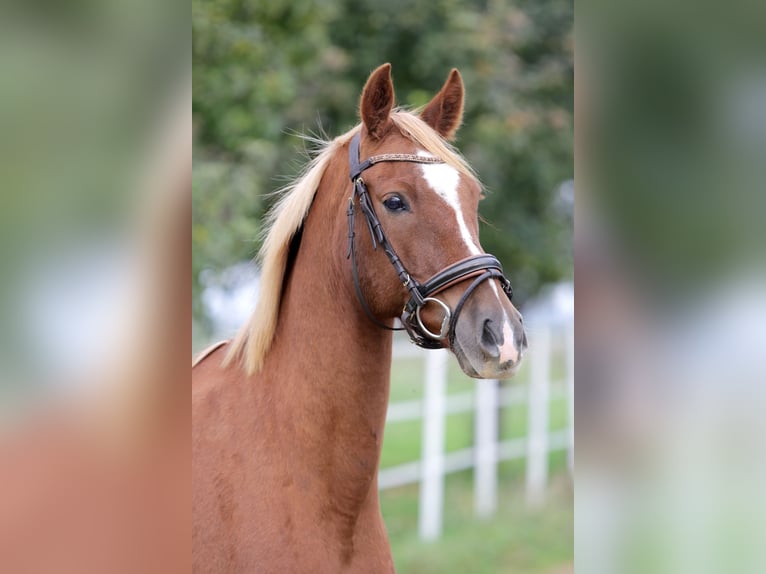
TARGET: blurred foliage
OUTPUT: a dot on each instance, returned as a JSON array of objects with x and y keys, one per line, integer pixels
[
  {"x": 264, "y": 72},
  {"x": 87, "y": 91},
  {"x": 683, "y": 194}
]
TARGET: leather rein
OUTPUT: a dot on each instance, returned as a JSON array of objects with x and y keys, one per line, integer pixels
[{"x": 477, "y": 267}]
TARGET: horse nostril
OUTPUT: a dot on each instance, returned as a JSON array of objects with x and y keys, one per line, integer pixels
[
  {"x": 523, "y": 339},
  {"x": 491, "y": 339}
]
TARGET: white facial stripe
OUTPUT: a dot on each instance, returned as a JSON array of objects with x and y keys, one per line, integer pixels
[
  {"x": 444, "y": 180},
  {"x": 508, "y": 352},
  {"x": 497, "y": 294}
]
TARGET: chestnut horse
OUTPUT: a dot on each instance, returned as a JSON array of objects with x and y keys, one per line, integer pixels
[{"x": 288, "y": 417}]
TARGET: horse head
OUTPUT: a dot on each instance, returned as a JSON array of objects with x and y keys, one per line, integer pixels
[{"x": 421, "y": 207}]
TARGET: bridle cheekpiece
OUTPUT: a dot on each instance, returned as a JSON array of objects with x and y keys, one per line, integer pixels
[{"x": 477, "y": 267}]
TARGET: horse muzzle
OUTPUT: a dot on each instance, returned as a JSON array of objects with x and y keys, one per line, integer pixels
[{"x": 489, "y": 343}]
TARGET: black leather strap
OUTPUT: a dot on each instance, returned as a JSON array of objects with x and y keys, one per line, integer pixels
[
  {"x": 355, "y": 168},
  {"x": 352, "y": 254},
  {"x": 458, "y": 270}
]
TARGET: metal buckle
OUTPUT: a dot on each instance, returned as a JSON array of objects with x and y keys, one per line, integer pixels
[{"x": 444, "y": 329}]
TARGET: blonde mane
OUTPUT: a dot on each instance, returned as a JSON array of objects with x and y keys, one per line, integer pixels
[{"x": 253, "y": 340}]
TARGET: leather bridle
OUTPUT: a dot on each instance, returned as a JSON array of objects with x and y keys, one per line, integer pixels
[{"x": 477, "y": 267}]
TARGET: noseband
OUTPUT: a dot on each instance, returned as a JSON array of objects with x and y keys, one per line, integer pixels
[{"x": 477, "y": 267}]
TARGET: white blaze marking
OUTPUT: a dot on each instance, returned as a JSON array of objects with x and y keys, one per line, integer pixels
[
  {"x": 508, "y": 352},
  {"x": 444, "y": 180},
  {"x": 497, "y": 294}
]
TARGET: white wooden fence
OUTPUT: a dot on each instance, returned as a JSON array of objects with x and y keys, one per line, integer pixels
[{"x": 486, "y": 401}]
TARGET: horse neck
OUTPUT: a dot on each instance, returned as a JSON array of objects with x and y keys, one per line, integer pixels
[{"x": 333, "y": 364}]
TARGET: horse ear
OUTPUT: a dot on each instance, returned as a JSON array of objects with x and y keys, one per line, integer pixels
[
  {"x": 377, "y": 101},
  {"x": 445, "y": 112}
]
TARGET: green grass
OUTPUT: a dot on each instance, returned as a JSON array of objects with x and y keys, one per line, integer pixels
[{"x": 514, "y": 539}]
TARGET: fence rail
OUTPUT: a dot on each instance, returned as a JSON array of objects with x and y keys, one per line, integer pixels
[{"x": 486, "y": 401}]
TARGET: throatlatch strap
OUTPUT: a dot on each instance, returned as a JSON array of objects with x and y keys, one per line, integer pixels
[{"x": 352, "y": 254}]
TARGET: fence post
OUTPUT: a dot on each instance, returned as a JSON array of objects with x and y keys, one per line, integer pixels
[
  {"x": 570, "y": 354},
  {"x": 432, "y": 470},
  {"x": 486, "y": 428},
  {"x": 537, "y": 425}
]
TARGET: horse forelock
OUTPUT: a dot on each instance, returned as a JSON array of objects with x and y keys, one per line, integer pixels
[
  {"x": 254, "y": 339},
  {"x": 412, "y": 126}
]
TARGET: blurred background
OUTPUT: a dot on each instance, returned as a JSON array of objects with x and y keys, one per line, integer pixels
[
  {"x": 264, "y": 73},
  {"x": 671, "y": 287},
  {"x": 95, "y": 202},
  {"x": 91, "y": 140},
  {"x": 94, "y": 224}
]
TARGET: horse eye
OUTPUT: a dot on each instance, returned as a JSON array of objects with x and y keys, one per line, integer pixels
[{"x": 395, "y": 203}]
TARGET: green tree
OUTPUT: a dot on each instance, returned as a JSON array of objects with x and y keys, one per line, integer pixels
[{"x": 264, "y": 71}]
